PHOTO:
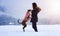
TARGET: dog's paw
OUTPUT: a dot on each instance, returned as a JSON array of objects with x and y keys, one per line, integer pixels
[{"x": 23, "y": 30}]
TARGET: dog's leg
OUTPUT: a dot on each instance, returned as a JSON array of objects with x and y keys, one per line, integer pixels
[{"x": 24, "y": 27}]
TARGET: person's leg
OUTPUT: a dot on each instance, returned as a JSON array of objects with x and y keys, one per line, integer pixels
[{"x": 34, "y": 25}]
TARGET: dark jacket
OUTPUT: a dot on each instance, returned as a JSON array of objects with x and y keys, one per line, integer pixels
[{"x": 34, "y": 16}]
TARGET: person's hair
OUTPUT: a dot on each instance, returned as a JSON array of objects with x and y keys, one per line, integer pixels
[
  {"x": 38, "y": 9},
  {"x": 34, "y": 5}
]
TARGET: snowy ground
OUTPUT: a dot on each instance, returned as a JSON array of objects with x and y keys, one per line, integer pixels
[{"x": 43, "y": 30}]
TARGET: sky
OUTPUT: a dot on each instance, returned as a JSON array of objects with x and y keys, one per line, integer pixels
[
  {"x": 50, "y": 9},
  {"x": 18, "y": 8}
]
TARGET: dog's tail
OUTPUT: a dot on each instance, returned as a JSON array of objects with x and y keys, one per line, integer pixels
[{"x": 19, "y": 22}]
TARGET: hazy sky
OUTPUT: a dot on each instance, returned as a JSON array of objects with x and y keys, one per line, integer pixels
[{"x": 18, "y": 8}]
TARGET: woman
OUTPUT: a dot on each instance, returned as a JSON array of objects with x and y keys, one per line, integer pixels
[{"x": 34, "y": 17}]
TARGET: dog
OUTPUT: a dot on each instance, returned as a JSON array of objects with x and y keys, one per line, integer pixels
[{"x": 26, "y": 18}]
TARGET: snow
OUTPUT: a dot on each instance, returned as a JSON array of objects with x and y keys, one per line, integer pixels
[{"x": 43, "y": 30}]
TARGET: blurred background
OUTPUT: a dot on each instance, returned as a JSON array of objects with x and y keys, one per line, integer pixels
[{"x": 12, "y": 10}]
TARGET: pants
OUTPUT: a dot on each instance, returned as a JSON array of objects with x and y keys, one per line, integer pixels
[{"x": 34, "y": 26}]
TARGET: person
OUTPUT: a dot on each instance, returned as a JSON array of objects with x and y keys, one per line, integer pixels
[
  {"x": 26, "y": 18},
  {"x": 34, "y": 17}
]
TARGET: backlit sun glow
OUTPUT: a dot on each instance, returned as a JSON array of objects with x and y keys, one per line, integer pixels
[{"x": 54, "y": 8}]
